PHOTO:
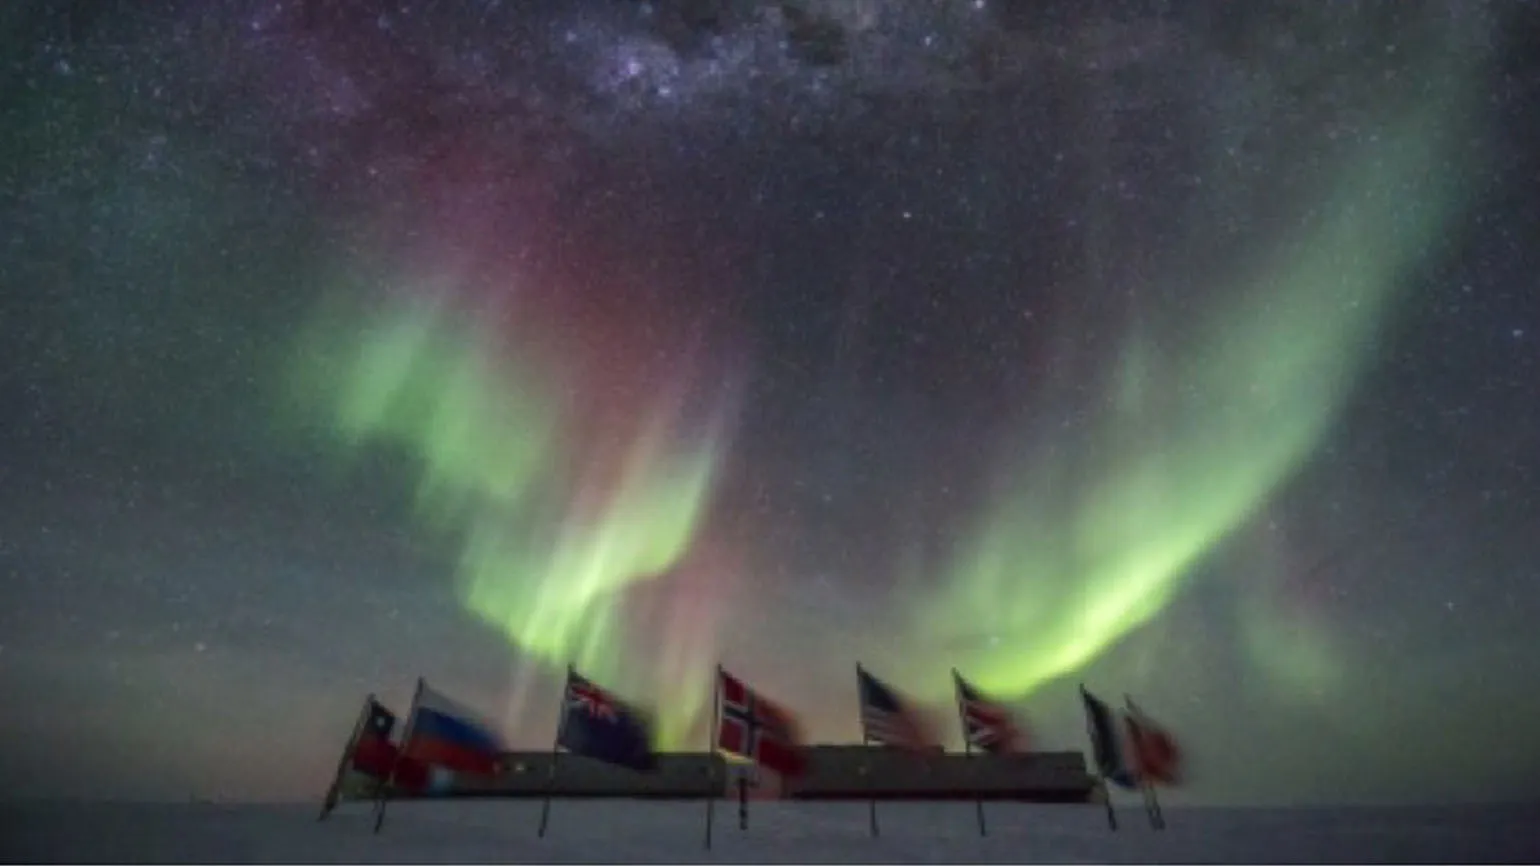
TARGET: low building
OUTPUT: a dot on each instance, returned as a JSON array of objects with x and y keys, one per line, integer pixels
[
  {"x": 857, "y": 772},
  {"x": 834, "y": 773}
]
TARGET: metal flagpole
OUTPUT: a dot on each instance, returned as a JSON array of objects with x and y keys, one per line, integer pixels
[
  {"x": 866, "y": 740},
  {"x": 1112, "y": 816},
  {"x": 871, "y": 787},
  {"x": 743, "y": 800},
  {"x": 715, "y": 759},
  {"x": 385, "y": 790},
  {"x": 329, "y": 802},
  {"x": 1158, "y": 817},
  {"x": 962, "y": 717},
  {"x": 550, "y": 779}
]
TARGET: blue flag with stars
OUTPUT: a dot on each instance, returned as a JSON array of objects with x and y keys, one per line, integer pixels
[{"x": 599, "y": 725}]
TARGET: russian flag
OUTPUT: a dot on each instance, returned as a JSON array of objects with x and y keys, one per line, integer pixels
[{"x": 445, "y": 735}]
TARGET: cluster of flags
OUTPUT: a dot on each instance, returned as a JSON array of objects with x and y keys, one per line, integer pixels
[
  {"x": 757, "y": 729},
  {"x": 442, "y": 739},
  {"x": 1139, "y": 754},
  {"x": 1142, "y": 753}
]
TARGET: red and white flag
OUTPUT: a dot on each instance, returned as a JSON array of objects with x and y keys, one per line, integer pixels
[
  {"x": 987, "y": 725},
  {"x": 1156, "y": 757},
  {"x": 753, "y": 727}
]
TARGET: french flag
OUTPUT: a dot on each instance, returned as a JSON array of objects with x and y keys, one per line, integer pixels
[{"x": 446, "y": 736}]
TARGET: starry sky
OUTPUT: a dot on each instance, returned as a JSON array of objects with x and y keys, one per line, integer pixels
[{"x": 1186, "y": 350}]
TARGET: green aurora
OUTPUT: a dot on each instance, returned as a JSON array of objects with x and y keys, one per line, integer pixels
[
  {"x": 1190, "y": 444},
  {"x": 547, "y": 549},
  {"x": 1066, "y": 562}
]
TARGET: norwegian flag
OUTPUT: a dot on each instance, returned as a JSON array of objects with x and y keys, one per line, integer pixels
[
  {"x": 753, "y": 727},
  {"x": 1156, "y": 757},
  {"x": 987, "y": 726}
]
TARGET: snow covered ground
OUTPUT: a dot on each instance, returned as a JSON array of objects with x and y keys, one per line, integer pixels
[{"x": 619, "y": 831}]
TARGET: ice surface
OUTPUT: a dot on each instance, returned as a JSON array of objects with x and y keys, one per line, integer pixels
[{"x": 654, "y": 832}]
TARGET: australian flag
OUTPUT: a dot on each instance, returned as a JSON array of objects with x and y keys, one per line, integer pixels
[{"x": 599, "y": 725}]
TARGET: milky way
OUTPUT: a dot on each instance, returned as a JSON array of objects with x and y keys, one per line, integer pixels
[{"x": 1172, "y": 350}]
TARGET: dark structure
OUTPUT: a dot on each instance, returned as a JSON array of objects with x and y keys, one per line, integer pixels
[
  {"x": 861, "y": 773},
  {"x": 834, "y": 773}
]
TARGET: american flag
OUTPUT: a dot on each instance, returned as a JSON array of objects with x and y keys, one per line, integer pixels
[
  {"x": 890, "y": 720},
  {"x": 988, "y": 726}
]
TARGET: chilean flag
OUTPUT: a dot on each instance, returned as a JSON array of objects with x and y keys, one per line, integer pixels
[
  {"x": 373, "y": 753},
  {"x": 444, "y": 735}
]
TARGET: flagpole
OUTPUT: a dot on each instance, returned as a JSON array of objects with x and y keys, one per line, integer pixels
[
  {"x": 1146, "y": 787},
  {"x": 329, "y": 802},
  {"x": 711, "y": 750},
  {"x": 743, "y": 799},
  {"x": 550, "y": 779},
  {"x": 1158, "y": 816},
  {"x": 866, "y": 741},
  {"x": 962, "y": 718},
  {"x": 1112, "y": 816},
  {"x": 385, "y": 790}
]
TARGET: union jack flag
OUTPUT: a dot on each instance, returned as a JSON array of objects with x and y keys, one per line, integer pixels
[{"x": 987, "y": 726}]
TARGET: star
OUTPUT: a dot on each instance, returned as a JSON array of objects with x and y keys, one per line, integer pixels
[{"x": 1179, "y": 349}]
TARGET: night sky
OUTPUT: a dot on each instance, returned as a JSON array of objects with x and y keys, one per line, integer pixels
[{"x": 1187, "y": 350}]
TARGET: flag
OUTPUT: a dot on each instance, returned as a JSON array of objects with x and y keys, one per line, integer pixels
[
  {"x": 1156, "y": 757},
  {"x": 756, "y": 728},
  {"x": 889, "y": 719},
  {"x": 987, "y": 725},
  {"x": 444, "y": 735},
  {"x": 416, "y": 777},
  {"x": 599, "y": 725},
  {"x": 373, "y": 752},
  {"x": 1106, "y": 750}
]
